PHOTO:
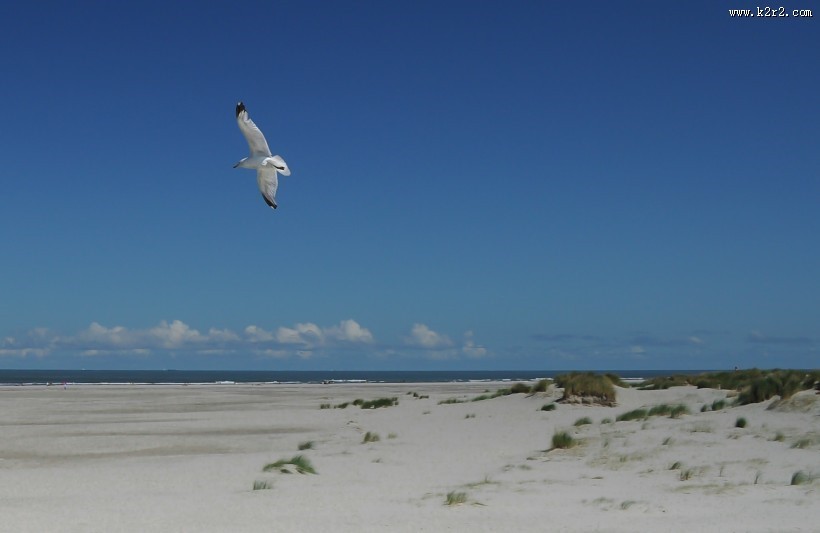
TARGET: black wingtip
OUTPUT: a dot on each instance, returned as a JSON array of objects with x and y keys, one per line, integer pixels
[
  {"x": 271, "y": 204},
  {"x": 239, "y": 108}
]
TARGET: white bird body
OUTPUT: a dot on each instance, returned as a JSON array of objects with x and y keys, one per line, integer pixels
[{"x": 267, "y": 166}]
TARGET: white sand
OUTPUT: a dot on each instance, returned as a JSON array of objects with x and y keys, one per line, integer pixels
[{"x": 174, "y": 458}]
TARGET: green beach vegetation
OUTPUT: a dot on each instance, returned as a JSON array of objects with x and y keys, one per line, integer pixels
[
  {"x": 371, "y": 437},
  {"x": 375, "y": 404},
  {"x": 518, "y": 388},
  {"x": 801, "y": 478},
  {"x": 364, "y": 404},
  {"x": 562, "y": 440},
  {"x": 753, "y": 385},
  {"x": 587, "y": 385},
  {"x": 672, "y": 411},
  {"x": 455, "y": 498},
  {"x": 262, "y": 485},
  {"x": 299, "y": 463}
]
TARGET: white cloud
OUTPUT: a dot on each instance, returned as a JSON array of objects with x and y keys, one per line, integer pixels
[
  {"x": 350, "y": 331},
  {"x": 301, "y": 340},
  {"x": 174, "y": 335},
  {"x": 310, "y": 335},
  {"x": 423, "y": 337},
  {"x": 470, "y": 348},
  {"x": 257, "y": 334},
  {"x": 99, "y": 335},
  {"x": 307, "y": 334}
]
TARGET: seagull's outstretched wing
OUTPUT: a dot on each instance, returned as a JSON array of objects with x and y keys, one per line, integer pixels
[
  {"x": 256, "y": 141},
  {"x": 268, "y": 182}
]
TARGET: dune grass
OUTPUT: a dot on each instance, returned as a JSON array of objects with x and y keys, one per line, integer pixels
[
  {"x": 371, "y": 437},
  {"x": 801, "y": 478},
  {"x": 548, "y": 407},
  {"x": 740, "y": 422},
  {"x": 562, "y": 440},
  {"x": 664, "y": 382},
  {"x": 754, "y": 385},
  {"x": 262, "y": 485},
  {"x": 583, "y": 421},
  {"x": 299, "y": 463},
  {"x": 783, "y": 383},
  {"x": 635, "y": 414},
  {"x": 672, "y": 411},
  {"x": 455, "y": 498},
  {"x": 375, "y": 404},
  {"x": 451, "y": 401},
  {"x": 306, "y": 445},
  {"x": 587, "y": 385},
  {"x": 518, "y": 388},
  {"x": 540, "y": 386}
]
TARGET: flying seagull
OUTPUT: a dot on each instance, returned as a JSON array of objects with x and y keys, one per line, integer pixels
[{"x": 265, "y": 164}]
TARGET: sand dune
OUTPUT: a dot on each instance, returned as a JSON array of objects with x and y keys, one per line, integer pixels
[{"x": 185, "y": 458}]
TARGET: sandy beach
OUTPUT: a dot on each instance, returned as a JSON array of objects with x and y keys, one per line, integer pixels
[{"x": 191, "y": 458}]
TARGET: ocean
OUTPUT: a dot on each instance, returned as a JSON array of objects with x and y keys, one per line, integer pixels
[{"x": 170, "y": 377}]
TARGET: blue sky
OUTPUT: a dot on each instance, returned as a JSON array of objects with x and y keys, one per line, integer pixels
[{"x": 475, "y": 185}]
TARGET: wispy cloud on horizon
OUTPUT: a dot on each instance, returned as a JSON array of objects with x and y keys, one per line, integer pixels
[
  {"x": 435, "y": 345},
  {"x": 302, "y": 340}
]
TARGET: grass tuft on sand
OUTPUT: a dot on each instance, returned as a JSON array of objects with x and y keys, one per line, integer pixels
[
  {"x": 562, "y": 440},
  {"x": 598, "y": 387},
  {"x": 371, "y": 437},
  {"x": 262, "y": 485},
  {"x": 300, "y": 463},
  {"x": 375, "y": 404},
  {"x": 801, "y": 478},
  {"x": 455, "y": 498}
]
